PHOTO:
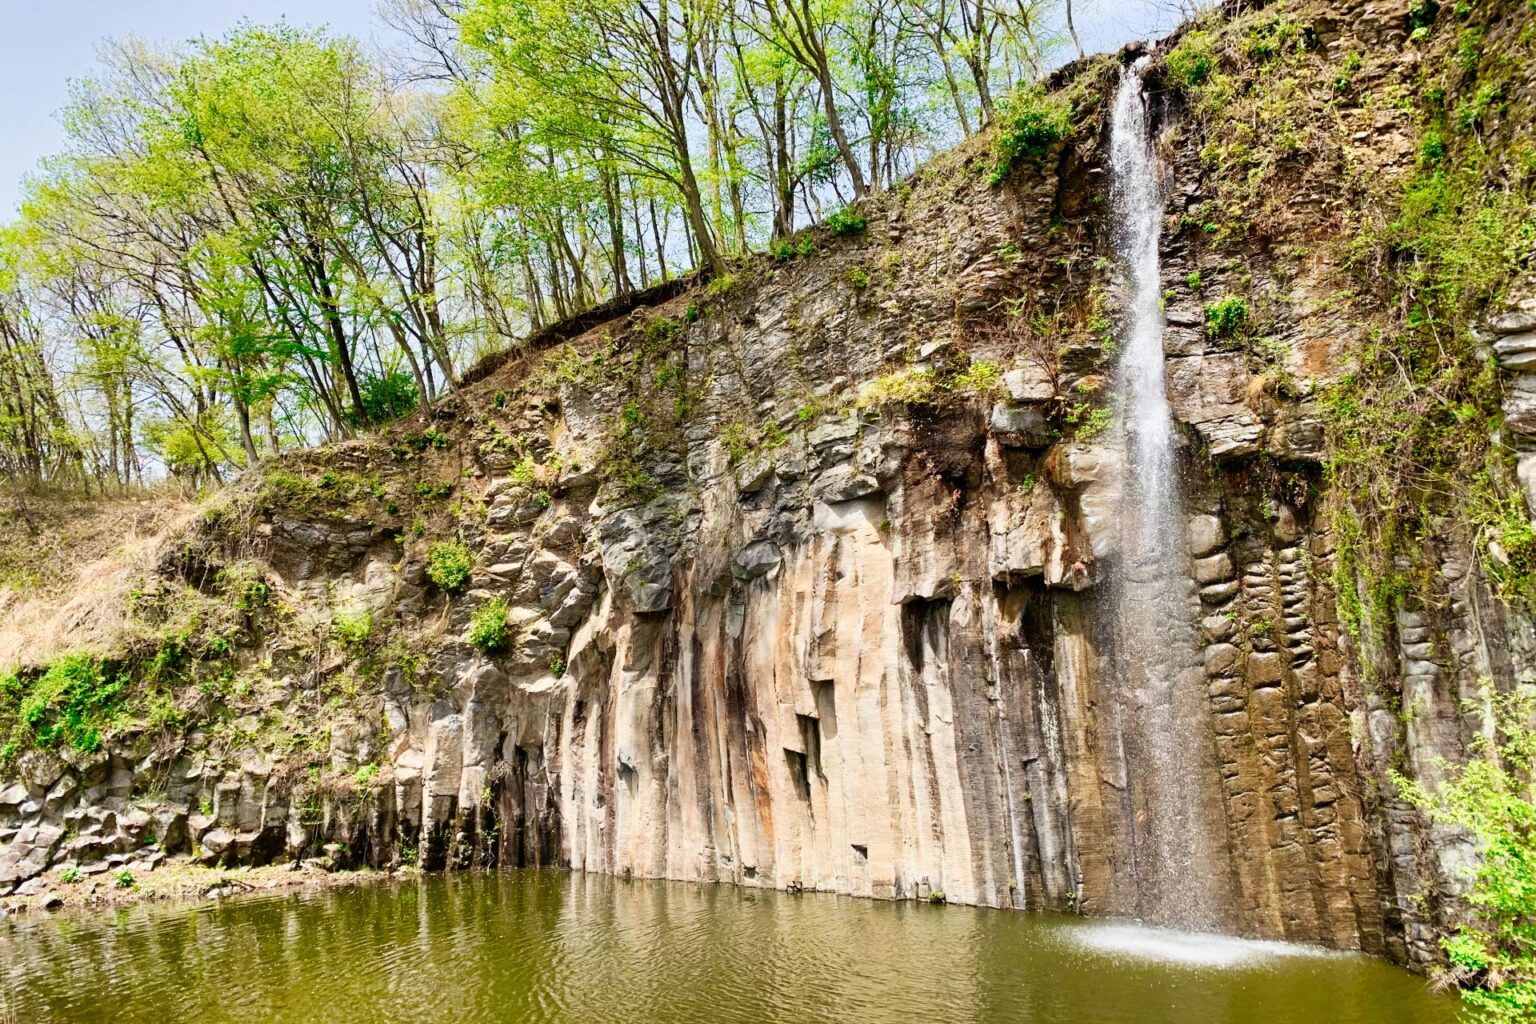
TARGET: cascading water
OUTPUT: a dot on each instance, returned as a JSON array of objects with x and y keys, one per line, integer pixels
[{"x": 1180, "y": 835}]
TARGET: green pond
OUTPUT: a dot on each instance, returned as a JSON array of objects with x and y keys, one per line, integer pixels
[{"x": 550, "y": 946}]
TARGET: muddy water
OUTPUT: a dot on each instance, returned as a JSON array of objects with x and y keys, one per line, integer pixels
[{"x": 549, "y": 946}]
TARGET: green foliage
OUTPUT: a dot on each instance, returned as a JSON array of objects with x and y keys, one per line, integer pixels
[
  {"x": 386, "y": 396},
  {"x": 982, "y": 377},
  {"x": 245, "y": 586},
  {"x": 1029, "y": 123},
  {"x": 71, "y": 875},
  {"x": 71, "y": 703},
  {"x": 1088, "y": 421},
  {"x": 1492, "y": 799},
  {"x": 365, "y": 777},
  {"x": 488, "y": 625},
  {"x": 923, "y": 385},
  {"x": 352, "y": 626},
  {"x": 736, "y": 439},
  {"x": 449, "y": 563},
  {"x": 847, "y": 221},
  {"x": 858, "y": 278},
  {"x": 785, "y": 249},
  {"x": 1267, "y": 39},
  {"x": 1226, "y": 318},
  {"x": 1191, "y": 62}
]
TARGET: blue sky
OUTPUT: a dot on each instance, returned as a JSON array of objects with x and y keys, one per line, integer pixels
[{"x": 46, "y": 43}]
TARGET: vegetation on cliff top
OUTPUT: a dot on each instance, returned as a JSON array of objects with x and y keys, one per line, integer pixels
[{"x": 257, "y": 242}]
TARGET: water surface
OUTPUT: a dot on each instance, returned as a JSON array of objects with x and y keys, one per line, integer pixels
[{"x": 553, "y": 947}]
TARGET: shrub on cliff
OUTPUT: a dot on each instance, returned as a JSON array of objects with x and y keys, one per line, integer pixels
[
  {"x": 449, "y": 563},
  {"x": 1226, "y": 318},
  {"x": 488, "y": 626},
  {"x": 352, "y": 626},
  {"x": 1493, "y": 798},
  {"x": 1030, "y": 124},
  {"x": 847, "y": 221},
  {"x": 70, "y": 704},
  {"x": 1190, "y": 63}
]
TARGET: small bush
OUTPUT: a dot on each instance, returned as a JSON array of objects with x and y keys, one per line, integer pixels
[
  {"x": 352, "y": 626},
  {"x": 71, "y": 875},
  {"x": 385, "y": 397},
  {"x": 488, "y": 626},
  {"x": 1226, "y": 318},
  {"x": 846, "y": 221},
  {"x": 449, "y": 563},
  {"x": 1029, "y": 124},
  {"x": 1191, "y": 62},
  {"x": 1088, "y": 421},
  {"x": 124, "y": 879},
  {"x": 981, "y": 378},
  {"x": 858, "y": 278},
  {"x": 244, "y": 585},
  {"x": 1492, "y": 956},
  {"x": 786, "y": 249}
]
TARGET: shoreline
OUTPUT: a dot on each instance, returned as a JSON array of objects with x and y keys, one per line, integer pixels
[{"x": 189, "y": 881}]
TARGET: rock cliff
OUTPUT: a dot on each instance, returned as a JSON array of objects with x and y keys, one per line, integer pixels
[{"x": 804, "y": 569}]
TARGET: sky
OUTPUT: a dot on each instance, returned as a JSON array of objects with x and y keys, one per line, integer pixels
[{"x": 46, "y": 43}]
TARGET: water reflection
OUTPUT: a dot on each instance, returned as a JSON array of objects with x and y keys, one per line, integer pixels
[{"x": 551, "y": 947}]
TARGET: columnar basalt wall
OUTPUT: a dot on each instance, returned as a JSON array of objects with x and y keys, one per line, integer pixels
[{"x": 807, "y": 590}]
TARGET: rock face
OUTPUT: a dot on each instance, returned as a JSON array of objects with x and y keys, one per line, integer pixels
[{"x": 771, "y": 625}]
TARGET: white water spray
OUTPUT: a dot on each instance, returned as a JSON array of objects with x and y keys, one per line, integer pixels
[{"x": 1180, "y": 832}]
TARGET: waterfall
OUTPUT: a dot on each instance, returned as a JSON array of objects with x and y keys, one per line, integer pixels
[{"x": 1180, "y": 832}]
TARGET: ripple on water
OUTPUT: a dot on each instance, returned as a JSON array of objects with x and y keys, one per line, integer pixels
[{"x": 552, "y": 948}]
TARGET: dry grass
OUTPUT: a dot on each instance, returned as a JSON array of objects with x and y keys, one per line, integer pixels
[{"x": 66, "y": 586}]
